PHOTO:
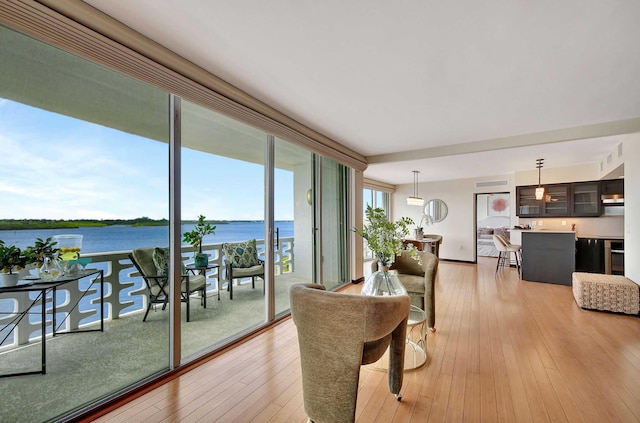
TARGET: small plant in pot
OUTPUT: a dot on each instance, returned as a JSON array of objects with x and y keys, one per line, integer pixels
[
  {"x": 35, "y": 253},
  {"x": 194, "y": 237},
  {"x": 11, "y": 261}
]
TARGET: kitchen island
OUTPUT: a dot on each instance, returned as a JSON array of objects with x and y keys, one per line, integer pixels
[{"x": 548, "y": 256}]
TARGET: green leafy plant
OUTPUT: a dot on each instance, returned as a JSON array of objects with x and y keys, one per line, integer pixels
[
  {"x": 35, "y": 253},
  {"x": 384, "y": 237},
  {"x": 199, "y": 231},
  {"x": 11, "y": 258}
]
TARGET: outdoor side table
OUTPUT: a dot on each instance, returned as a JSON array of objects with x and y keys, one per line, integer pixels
[{"x": 203, "y": 271}]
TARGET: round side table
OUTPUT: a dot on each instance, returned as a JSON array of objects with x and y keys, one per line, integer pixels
[{"x": 415, "y": 353}]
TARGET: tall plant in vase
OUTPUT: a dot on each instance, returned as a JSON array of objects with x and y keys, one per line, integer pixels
[
  {"x": 384, "y": 239},
  {"x": 194, "y": 237}
]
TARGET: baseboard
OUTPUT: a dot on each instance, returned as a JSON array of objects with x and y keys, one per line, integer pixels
[{"x": 459, "y": 261}]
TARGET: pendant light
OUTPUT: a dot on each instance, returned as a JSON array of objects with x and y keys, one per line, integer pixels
[
  {"x": 540, "y": 189},
  {"x": 415, "y": 200}
]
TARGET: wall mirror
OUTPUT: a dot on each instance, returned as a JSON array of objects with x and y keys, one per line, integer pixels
[{"x": 436, "y": 209}]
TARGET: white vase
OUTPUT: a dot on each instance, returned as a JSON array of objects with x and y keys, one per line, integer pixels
[{"x": 9, "y": 279}]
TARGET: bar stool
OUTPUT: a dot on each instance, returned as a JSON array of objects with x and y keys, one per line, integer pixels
[{"x": 505, "y": 248}]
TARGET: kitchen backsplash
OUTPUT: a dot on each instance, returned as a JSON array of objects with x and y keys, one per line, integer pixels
[{"x": 601, "y": 226}]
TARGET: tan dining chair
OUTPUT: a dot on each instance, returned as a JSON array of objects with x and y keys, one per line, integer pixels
[{"x": 505, "y": 248}]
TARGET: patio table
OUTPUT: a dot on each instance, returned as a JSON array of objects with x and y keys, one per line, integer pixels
[{"x": 43, "y": 287}]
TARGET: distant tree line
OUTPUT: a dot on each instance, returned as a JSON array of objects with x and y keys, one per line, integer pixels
[{"x": 20, "y": 224}]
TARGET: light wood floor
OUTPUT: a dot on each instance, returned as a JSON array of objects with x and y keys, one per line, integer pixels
[{"x": 505, "y": 350}]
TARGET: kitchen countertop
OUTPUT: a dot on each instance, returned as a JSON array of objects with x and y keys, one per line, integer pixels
[
  {"x": 616, "y": 237},
  {"x": 578, "y": 235},
  {"x": 545, "y": 231}
]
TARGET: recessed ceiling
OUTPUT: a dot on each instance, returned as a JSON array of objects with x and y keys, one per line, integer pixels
[{"x": 385, "y": 77}]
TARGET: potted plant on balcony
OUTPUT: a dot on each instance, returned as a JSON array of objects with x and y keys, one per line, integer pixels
[
  {"x": 11, "y": 260},
  {"x": 194, "y": 237},
  {"x": 35, "y": 253}
]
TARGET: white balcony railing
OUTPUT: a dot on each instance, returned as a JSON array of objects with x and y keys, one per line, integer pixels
[{"x": 124, "y": 292}]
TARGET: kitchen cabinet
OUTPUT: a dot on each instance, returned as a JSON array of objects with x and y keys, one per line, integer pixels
[
  {"x": 556, "y": 200},
  {"x": 548, "y": 256},
  {"x": 577, "y": 199},
  {"x": 590, "y": 255},
  {"x": 528, "y": 206},
  {"x": 585, "y": 199},
  {"x": 613, "y": 187}
]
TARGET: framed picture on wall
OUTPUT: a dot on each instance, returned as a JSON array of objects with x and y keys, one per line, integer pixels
[{"x": 498, "y": 205}]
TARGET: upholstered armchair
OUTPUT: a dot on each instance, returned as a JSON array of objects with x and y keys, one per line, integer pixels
[
  {"x": 418, "y": 278},
  {"x": 241, "y": 261},
  {"x": 153, "y": 265},
  {"x": 337, "y": 333}
]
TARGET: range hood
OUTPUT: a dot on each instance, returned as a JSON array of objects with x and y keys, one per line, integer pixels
[{"x": 612, "y": 200}]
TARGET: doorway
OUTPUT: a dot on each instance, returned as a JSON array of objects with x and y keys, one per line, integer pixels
[{"x": 493, "y": 216}]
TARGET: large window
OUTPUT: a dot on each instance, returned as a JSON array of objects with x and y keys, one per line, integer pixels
[
  {"x": 91, "y": 152},
  {"x": 376, "y": 199},
  {"x": 85, "y": 152}
]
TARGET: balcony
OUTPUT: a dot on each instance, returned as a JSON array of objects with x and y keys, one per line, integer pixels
[{"x": 83, "y": 368}]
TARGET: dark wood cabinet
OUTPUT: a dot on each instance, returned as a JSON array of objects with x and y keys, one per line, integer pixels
[
  {"x": 585, "y": 198},
  {"x": 578, "y": 199},
  {"x": 590, "y": 255},
  {"x": 556, "y": 200},
  {"x": 612, "y": 187},
  {"x": 528, "y": 206}
]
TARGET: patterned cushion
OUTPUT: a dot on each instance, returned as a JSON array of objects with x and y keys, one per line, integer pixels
[
  {"x": 161, "y": 260},
  {"x": 241, "y": 254}
]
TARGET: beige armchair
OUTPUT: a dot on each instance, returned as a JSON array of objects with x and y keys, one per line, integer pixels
[
  {"x": 419, "y": 280},
  {"x": 337, "y": 333}
]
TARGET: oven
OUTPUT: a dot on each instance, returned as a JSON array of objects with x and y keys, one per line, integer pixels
[{"x": 614, "y": 257}]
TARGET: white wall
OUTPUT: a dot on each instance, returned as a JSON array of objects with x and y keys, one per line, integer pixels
[
  {"x": 585, "y": 172},
  {"x": 631, "y": 151},
  {"x": 458, "y": 228}
]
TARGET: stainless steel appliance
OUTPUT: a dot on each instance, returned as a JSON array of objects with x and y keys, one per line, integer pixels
[{"x": 614, "y": 257}]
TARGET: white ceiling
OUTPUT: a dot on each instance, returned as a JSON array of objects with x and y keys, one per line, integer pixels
[{"x": 419, "y": 76}]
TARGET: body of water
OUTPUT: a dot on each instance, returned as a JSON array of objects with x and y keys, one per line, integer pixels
[{"x": 125, "y": 238}]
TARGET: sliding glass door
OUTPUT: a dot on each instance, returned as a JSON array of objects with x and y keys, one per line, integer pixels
[
  {"x": 85, "y": 152},
  {"x": 293, "y": 215},
  {"x": 223, "y": 179},
  {"x": 334, "y": 223},
  {"x": 91, "y": 152}
]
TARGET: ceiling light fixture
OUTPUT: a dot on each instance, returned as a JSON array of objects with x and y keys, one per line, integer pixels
[
  {"x": 415, "y": 200},
  {"x": 540, "y": 189}
]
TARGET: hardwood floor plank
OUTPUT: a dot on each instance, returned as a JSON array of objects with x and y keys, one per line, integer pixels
[{"x": 505, "y": 350}]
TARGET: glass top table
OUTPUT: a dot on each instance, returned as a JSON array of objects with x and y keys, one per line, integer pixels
[{"x": 415, "y": 353}]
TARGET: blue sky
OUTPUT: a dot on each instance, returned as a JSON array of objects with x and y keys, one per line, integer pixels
[{"x": 56, "y": 167}]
